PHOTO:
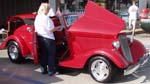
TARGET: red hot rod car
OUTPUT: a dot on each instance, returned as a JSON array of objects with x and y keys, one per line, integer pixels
[{"x": 92, "y": 40}]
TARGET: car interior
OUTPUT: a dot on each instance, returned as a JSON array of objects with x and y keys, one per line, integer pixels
[{"x": 14, "y": 24}]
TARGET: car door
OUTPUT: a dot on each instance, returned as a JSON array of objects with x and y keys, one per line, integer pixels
[
  {"x": 29, "y": 35},
  {"x": 32, "y": 42}
]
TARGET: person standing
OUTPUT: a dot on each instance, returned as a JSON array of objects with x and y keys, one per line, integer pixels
[
  {"x": 44, "y": 27},
  {"x": 133, "y": 12}
]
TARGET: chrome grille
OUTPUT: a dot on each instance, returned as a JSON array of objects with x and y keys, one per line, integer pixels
[{"x": 125, "y": 48}]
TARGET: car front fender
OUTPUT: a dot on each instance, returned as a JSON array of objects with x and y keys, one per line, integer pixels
[
  {"x": 138, "y": 50},
  {"x": 80, "y": 60},
  {"x": 114, "y": 55}
]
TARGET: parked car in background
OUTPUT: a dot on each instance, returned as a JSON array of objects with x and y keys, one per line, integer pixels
[
  {"x": 92, "y": 41},
  {"x": 145, "y": 20},
  {"x": 145, "y": 25}
]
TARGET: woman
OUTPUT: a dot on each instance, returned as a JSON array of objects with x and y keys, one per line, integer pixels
[{"x": 44, "y": 27}]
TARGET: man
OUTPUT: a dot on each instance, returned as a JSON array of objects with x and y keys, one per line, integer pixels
[{"x": 133, "y": 12}]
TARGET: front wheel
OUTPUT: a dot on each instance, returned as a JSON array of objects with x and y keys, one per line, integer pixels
[
  {"x": 14, "y": 52},
  {"x": 100, "y": 69}
]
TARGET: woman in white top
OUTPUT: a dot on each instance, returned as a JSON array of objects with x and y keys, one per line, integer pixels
[{"x": 46, "y": 41}]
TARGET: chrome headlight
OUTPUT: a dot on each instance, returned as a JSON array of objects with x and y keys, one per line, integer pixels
[{"x": 116, "y": 44}]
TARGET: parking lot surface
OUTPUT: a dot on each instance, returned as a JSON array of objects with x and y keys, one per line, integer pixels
[{"x": 28, "y": 73}]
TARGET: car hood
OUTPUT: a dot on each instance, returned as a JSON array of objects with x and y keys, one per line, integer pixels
[{"x": 97, "y": 20}]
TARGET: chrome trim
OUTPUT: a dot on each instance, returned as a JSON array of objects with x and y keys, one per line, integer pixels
[
  {"x": 125, "y": 48},
  {"x": 29, "y": 29},
  {"x": 116, "y": 44},
  {"x": 143, "y": 60}
]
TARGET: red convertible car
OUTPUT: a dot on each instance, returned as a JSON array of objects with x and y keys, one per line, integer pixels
[{"x": 92, "y": 40}]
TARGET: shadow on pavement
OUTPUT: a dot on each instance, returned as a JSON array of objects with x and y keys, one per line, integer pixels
[{"x": 24, "y": 73}]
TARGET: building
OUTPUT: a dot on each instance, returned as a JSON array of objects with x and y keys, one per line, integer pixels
[
  {"x": 112, "y": 5},
  {"x": 12, "y": 7}
]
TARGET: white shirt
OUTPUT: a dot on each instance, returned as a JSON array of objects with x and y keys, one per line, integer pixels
[
  {"x": 43, "y": 24},
  {"x": 51, "y": 13},
  {"x": 133, "y": 11}
]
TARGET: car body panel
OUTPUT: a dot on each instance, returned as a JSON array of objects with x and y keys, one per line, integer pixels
[
  {"x": 23, "y": 16},
  {"x": 137, "y": 50},
  {"x": 19, "y": 40},
  {"x": 79, "y": 61},
  {"x": 98, "y": 20}
]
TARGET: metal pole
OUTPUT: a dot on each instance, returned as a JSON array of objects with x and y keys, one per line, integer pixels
[{"x": 53, "y": 4}]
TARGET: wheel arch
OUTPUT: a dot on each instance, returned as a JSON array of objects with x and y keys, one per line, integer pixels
[
  {"x": 114, "y": 57},
  {"x": 98, "y": 55},
  {"x": 21, "y": 43}
]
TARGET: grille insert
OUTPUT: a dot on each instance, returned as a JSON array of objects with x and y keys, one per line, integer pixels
[{"x": 125, "y": 48}]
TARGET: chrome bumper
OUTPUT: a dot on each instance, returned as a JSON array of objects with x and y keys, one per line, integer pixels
[{"x": 144, "y": 59}]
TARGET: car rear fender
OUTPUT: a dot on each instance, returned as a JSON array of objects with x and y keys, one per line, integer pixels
[{"x": 23, "y": 47}]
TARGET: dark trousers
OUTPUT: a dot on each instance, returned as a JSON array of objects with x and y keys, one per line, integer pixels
[{"x": 47, "y": 49}]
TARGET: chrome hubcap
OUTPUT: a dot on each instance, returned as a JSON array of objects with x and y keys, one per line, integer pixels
[
  {"x": 13, "y": 51},
  {"x": 100, "y": 70}
]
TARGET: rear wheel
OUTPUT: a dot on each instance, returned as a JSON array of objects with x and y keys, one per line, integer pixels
[
  {"x": 14, "y": 52},
  {"x": 101, "y": 69}
]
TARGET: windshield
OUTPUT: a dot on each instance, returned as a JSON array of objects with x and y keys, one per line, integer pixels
[
  {"x": 29, "y": 21},
  {"x": 70, "y": 19}
]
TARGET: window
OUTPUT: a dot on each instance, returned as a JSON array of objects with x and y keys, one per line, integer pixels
[
  {"x": 70, "y": 19},
  {"x": 29, "y": 21}
]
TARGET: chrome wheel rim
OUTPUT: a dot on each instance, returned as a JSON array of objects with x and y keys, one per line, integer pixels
[
  {"x": 100, "y": 70},
  {"x": 13, "y": 52}
]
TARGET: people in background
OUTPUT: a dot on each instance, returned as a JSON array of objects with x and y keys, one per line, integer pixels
[
  {"x": 133, "y": 12},
  {"x": 46, "y": 41}
]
